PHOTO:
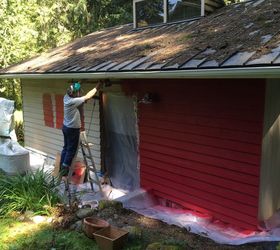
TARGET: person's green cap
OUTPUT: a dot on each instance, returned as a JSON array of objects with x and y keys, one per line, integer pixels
[{"x": 76, "y": 86}]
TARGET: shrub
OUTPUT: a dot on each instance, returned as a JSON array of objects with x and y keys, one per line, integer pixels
[
  {"x": 19, "y": 132},
  {"x": 35, "y": 191}
]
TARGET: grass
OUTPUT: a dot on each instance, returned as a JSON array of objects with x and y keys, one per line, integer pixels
[{"x": 18, "y": 235}]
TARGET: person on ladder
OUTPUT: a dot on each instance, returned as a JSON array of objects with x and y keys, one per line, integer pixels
[{"x": 72, "y": 123}]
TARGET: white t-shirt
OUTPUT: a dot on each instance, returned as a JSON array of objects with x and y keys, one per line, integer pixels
[{"x": 72, "y": 117}]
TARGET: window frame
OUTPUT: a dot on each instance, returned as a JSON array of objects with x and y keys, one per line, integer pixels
[{"x": 165, "y": 4}]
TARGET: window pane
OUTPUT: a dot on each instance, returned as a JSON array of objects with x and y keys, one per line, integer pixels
[
  {"x": 183, "y": 9},
  {"x": 149, "y": 12}
]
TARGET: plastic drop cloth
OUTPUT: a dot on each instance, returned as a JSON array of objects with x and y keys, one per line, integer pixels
[
  {"x": 14, "y": 158},
  {"x": 6, "y": 113},
  {"x": 144, "y": 203},
  {"x": 121, "y": 159}
]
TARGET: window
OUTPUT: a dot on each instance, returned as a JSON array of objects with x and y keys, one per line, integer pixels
[
  {"x": 151, "y": 12},
  {"x": 183, "y": 9}
]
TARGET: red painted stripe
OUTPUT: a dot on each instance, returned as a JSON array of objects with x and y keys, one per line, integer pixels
[
  {"x": 59, "y": 110},
  {"x": 48, "y": 111}
]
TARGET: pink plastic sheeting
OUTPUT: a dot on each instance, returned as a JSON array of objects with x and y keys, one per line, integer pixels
[{"x": 143, "y": 203}]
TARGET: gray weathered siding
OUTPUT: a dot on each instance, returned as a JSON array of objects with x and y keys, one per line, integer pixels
[
  {"x": 48, "y": 139},
  {"x": 269, "y": 200}
]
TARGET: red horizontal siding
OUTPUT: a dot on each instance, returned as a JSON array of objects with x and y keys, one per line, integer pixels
[
  {"x": 202, "y": 140},
  {"x": 201, "y": 200},
  {"x": 198, "y": 173},
  {"x": 204, "y": 130},
  {"x": 204, "y": 149},
  {"x": 205, "y": 139}
]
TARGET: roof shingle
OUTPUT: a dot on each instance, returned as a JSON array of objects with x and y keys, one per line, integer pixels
[{"x": 240, "y": 35}]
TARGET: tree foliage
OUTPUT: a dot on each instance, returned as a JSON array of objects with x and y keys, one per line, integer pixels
[{"x": 30, "y": 27}]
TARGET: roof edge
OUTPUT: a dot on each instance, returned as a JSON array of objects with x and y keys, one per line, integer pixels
[{"x": 247, "y": 72}]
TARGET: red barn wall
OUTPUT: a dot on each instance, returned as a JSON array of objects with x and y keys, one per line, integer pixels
[{"x": 200, "y": 144}]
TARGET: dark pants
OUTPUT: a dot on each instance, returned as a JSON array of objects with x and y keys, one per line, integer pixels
[{"x": 71, "y": 142}]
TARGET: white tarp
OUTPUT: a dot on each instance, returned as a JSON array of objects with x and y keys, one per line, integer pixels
[
  {"x": 121, "y": 158},
  {"x": 14, "y": 158},
  {"x": 143, "y": 203},
  {"x": 6, "y": 113}
]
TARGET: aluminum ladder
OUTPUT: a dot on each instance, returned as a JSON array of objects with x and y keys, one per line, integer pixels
[
  {"x": 85, "y": 147},
  {"x": 89, "y": 163}
]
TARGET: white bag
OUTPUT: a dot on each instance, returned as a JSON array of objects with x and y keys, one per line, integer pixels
[{"x": 6, "y": 112}]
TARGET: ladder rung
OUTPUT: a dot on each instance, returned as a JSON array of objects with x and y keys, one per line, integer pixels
[
  {"x": 87, "y": 144},
  {"x": 88, "y": 157},
  {"x": 96, "y": 182}
]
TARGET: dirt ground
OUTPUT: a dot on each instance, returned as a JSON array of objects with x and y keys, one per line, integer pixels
[{"x": 150, "y": 230}]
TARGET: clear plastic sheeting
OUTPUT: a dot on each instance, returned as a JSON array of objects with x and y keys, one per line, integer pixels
[
  {"x": 6, "y": 113},
  {"x": 14, "y": 159},
  {"x": 40, "y": 160},
  {"x": 144, "y": 203},
  {"x": 121, "y": 159}
]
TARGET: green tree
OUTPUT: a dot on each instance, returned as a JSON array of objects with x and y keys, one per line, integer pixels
[{"x": 30, "y": 27}]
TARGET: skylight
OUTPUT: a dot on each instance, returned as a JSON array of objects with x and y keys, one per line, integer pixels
[{"x": 152, "y": 12}]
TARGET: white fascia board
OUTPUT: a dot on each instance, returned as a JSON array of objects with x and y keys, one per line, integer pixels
[
  {"x": 202, "y": 8},
  {"x": 251, "y": 72}
]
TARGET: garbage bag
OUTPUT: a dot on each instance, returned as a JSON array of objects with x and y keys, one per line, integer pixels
[
  {"x": 14, "y": 159},
  {"x": 6, "y": 113}
]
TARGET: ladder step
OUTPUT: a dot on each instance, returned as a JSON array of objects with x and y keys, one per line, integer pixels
[
  {"x": 88, "y": 157},
  {"x": 86, "y": 144},
  {"x": 92, "y": 169},
  {"x": 90, "y": 166},
  {"x": 96, "y": 182}
]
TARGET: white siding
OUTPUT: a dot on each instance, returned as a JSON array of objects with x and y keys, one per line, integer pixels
[
  {"x": 47, "y": 139},
  {"x": 269, "y": 201}
]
